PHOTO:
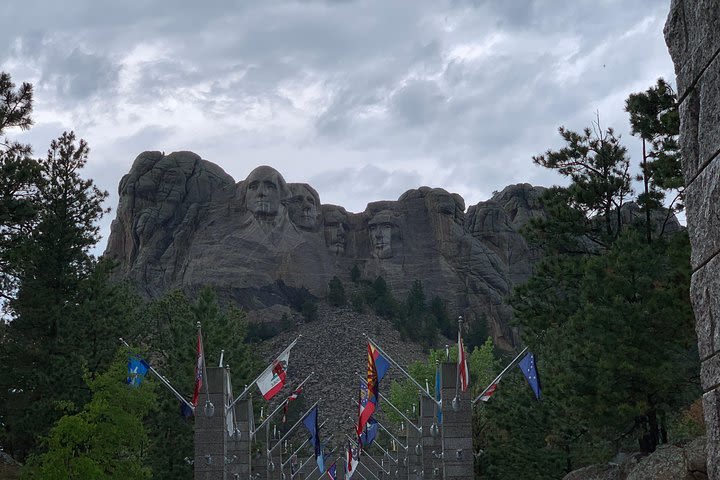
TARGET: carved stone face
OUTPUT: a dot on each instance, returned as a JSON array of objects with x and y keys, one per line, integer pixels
[
  {"x": 265, "y": 188},
  {"x": 336, "y": 232},
  {"x": 380, "y": 228},
  {"x": 303, "y": 207}
]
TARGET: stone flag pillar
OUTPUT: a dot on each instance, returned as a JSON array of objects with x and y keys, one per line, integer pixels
[
  {"x": 211, "y": 430},
  {"x": 414, "y": 457},
  {"x": 238, "y": 444},
  {"x": 431, "y": 439},
  {"x": 693, "y": 39},
  {"x": 456, "y": 428},
  {"x": 222, "y": 440}
]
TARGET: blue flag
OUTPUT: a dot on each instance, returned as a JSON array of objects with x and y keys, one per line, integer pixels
[
  {"x": 137, "y": 368},
  {"x": 438, "y": 395},
  {"x": 311, "y": 423},
  {"x": 332, "y": 472},
  {"x": 370, "y": 432},
  {"x": 320, "y": 460},
  {"x": 529, "y": 369},
  {"x": 185, "y": 410}
]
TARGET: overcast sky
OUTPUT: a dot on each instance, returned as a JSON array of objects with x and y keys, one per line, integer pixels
[{"x": 361, "y": 99}]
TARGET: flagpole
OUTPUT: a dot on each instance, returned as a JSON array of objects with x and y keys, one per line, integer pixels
[
  {"x": 410, "y": 422},
  {"x": 359, "y": 463},
  {"x": 420, "y": 387},
  {"x": 247, "y": 389},
  {"x": 295, "y": 426},
  {"x": 165, "y": 382},
  {"x": 385, "y": 452},
  {"x": 457, "y": 364},
  {"x": 283, "y": 403},
  {"x": 301, "y": 446},
  {"x": 368, "y": 456},
  {"x": 386, "y": 430},
  {"x": 316, "y": 466},
  {"x": 497, "y": 379},
  {"x": 204, "y": 366},
  {"x": 334, "y": 463}
]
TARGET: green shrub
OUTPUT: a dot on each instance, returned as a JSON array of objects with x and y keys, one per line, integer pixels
[{"x": 336, "y": 296}]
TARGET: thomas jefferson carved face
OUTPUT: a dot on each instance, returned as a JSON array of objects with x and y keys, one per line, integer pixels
[
  {"x": 380, "y": 228},
  {"x": 303, "y": 207},
  {"x": 265, "y": 190}
]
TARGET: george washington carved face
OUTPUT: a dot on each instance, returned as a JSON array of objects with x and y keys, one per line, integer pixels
[{"x": 265, "y": 189}]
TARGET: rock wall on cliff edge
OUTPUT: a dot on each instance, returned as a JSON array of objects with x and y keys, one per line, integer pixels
[{"x": 182, "y": 222}]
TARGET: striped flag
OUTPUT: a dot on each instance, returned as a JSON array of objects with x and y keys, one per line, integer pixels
[
  {"x": 463, "y": 372},
  {"x": 293, "y": 396},
  {"x": 489, "y": 392},
  {"x": 199, "y": 368}
]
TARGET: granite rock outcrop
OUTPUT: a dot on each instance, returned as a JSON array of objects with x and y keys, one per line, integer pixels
[
  {"x": 262, "y": 243},
  {"x": 692, "y": 34}
]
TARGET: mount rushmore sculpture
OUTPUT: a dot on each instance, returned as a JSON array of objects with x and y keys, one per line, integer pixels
[{"x": 182, "y": 222}]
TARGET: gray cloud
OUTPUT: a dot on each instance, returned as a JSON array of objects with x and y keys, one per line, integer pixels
[{"x": 361, "y": 99}]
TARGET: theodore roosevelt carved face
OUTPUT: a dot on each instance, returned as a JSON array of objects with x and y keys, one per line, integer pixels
[
  {"x": 380, "y": 228},
  {"x": 336, "y": 229}
]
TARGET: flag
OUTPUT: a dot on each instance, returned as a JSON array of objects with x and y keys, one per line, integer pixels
[
  {"x": 377, "y": 366},
  {"x": 381, "y": 363},
  {"x": 351, "y": 462},
  {"x": 320, "y": 460},
  {"x": 230, "y": 417},
  {"x": 529, "y": 369},
  {"x": 272, "y": 380},
  {"x": 293, "y": 396},
  {"x": 137, "y": 368},
  {"x": 199, "y": 368},
  {"x": 332, "y": 472},
  {"x": 185, "y": 410},
  {"x": 365, "y": 408},
  {"x": 438, "y": 396},
  {"x": 463, "y": 372},
  {"x": 489, "y": 392},
  {"x": 310, "y": 422},
  {"x": 294, "y": 464},
  {"x": 370, "y": 432}
]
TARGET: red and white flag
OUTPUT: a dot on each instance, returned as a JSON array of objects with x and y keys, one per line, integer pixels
[
  {"x": 293, "y": 396},
  {"x": 489, "y": 392},
  {"x": 272, "y": 380},
  {"x": 199, "y": 368},
  {"x": 463, "y": 372},
  {"x": 351, "y": 462}
]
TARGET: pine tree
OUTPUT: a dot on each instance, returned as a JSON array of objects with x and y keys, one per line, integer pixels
[
  {"x": 654, "y": 118},
  {"x": 54, "y": 272},
  {"x": 336, "y": 295},
  {"x": 608, "y": 314},
  {"x": 19, "y": 177},
  {"x": 106, "y": 439},
  {"x": 590, "y": 207}
]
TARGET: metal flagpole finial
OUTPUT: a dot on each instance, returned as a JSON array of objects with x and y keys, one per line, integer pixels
[
  {"x": 209, "y": 408},
  {"x": 197, "y": 325}
]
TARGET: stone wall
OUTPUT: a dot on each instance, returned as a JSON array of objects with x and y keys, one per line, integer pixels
[{"x": 692, "y": 33}]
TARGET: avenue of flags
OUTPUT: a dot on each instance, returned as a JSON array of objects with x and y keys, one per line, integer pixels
[{"x": 274, "y": 377}]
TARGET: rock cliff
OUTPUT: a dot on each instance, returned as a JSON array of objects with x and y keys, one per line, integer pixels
[{"x": 182, "y": 222}]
